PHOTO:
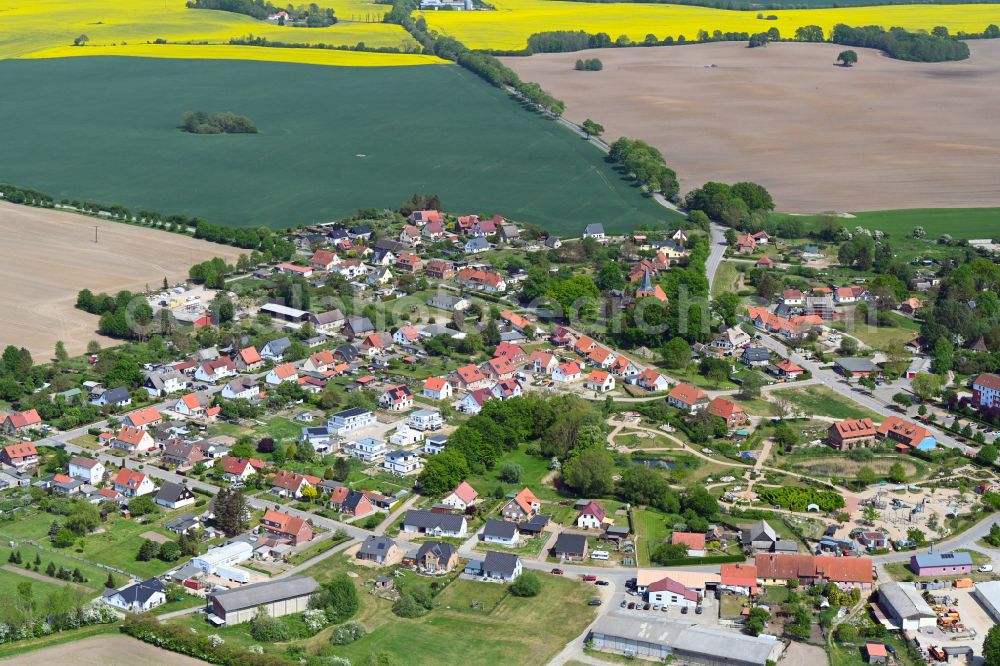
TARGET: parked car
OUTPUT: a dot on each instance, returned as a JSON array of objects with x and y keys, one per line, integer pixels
[
  {"x": 623, "y": 603},
  {"x": 631, "y": 605},
  {"x": 557, "y": 571},
  {"x": 699, "y": 610},
  {"x": 646, "y": 607},
  {"x": 601, "y": 582},
  {"x": 986, "y": 568},
  {"x": 589, "y": 578},
  {"x": 684, "y": 609},
  {"x": 594, "y": 602}
]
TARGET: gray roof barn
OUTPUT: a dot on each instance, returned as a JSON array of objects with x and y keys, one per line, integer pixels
[
  {"x": 251, "y": 596},
  {"x": 423, "y": 520}
]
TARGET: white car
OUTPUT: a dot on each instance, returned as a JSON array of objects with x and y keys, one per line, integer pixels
[{"x": 986, "y": 568}]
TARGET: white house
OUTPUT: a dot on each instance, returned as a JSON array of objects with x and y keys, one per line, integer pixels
[
  {"x": 174, "y": 496},
  {"x": 133, "y": 484},
  {"x": 669, "y": 592},
  {"x": 138, "y": 597},
  {"x": 462, "y": 497},
  {"x": 591, "y": 516},
  {"x": 500, "y": 532},
  {"x": 434, "y": 445},
  {"x": 213, "y": 371},
  {"x": 368, "y": 449},
  {"x": 402, "y": 462},
  {"x": 159, "y": 384},
  {"x": 595, "y": 231},
  {"x": 241, "y": 388},
  {"x": 350, "y": 420},
  {"x": 192, "y": 404},
  {"x": 285, "y": 372},
  {"x": 437, "y": 388},
  {"x": 133, "y": 440},
  {"x": 567, "y": 372},
  {"x": 405, "y": 436},
  {"x": 396, "y": 398},
  {"x": 600, "y": 381},
  {"x": 88, "y": 469},
  {"x": 426, "y": 419},
  {"x": 275, "y": 349}
]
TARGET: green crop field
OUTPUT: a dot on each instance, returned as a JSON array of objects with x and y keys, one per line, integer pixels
[{"x": 332, "y": 140}]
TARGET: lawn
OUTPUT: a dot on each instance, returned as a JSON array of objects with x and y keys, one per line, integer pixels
[
  {"x": 650, "y": 531},
  {"x": 466, "y": 596},
  {"x": 510, "y": 27},
  {"x": 727, "y": 278},
  {"x": 465, "y": 141},
  {"x": 534, "y": 470},
  {"x": 967, "y": 223},
  {"x": 880, "y": 337},
  {"x": 115, "y": 545},
  {"x": 516, "y": 631},
  {"x": 841, "y": 466},
  {"x": 818, "y": 400}
]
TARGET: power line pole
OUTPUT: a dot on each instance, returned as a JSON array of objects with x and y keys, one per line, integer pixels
[{"x": 95, "y": 233}]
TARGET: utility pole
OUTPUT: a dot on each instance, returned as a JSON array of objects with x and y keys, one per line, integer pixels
[{"x": 95, "y": 233}]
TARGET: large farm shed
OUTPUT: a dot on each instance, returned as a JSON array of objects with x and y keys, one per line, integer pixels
[
  {"x": 691, "y": 643},
  {"x": 277, "y": 598}
]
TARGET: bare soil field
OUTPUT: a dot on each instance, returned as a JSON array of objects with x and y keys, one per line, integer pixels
[
  {"x": 880, "y": 135},
  {"x": 48, "y": 256},
  {"x": 109, "y": 650}
]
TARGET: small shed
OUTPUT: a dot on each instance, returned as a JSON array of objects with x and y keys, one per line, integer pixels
[{"x": 875, "y": 653}]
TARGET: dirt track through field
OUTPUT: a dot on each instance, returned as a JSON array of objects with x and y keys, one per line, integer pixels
[
  {"x": 109, "y": 650},
  {"x": 47, "y": 256},
  {"x": 44, "y": 578},
  {"x": 880, "y": 135}
]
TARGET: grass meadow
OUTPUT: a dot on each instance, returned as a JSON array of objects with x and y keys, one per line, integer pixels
[
  {"x": 514, "y": 21},
  {"x": 332, "y": 140},
  {"x": 822, "y": 401}
]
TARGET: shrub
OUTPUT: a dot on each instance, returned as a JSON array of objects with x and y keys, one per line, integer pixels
[
  {"x": 347, "y": 633},
  {"x": 267, "y": 629},
  {"x": 407, "y": 606},
  {"x": 528, "y": 584}
]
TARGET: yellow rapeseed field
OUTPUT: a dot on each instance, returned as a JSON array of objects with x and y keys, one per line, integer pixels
[
  {"x": 515, "y": 20},
  {"x": 48, "y": 27},
  {"x": 217, "y": 52}
]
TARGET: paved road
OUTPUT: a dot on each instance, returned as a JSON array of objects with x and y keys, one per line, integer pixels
[
  {"x": 837, "y": 383},
  {"x": 718, "y": 249}
]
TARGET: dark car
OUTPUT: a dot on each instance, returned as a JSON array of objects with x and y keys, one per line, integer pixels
[
  {"x": 558, "y": 572},
  {"x": 594, "y": 602},
  {"x": 699, "y": 610},
  {"x": 684, "y": 609},
  {"x": 601, "y": 582},
  {"x": 631, "y": 605},
  {"x": 646, "y": 607}
]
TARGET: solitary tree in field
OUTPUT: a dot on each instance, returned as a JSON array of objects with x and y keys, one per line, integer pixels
[
  {"x": 847, "y": 58},
  {"x": 590, "y": 128},
  {"x": 81, "y": 40}
]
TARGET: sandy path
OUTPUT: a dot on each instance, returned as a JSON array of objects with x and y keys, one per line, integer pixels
[
  {"x": 883, "y": 134},
  {"x": 107, "y": 650},
  {"x": 44, "y": 578},
  {"x": 48, "y": 256}
]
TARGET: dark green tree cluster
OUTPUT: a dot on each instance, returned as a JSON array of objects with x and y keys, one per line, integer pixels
[
  {"x": 270, "y": 245},
  {"x": 730, "y": 204},
  {"x": 589, "y": 65},
  {"x": 224, "y": 122},
  {"x": 26, "y": 196},
  {"x": 902, "y": 44},
  {"x": 232, "y": 512},
  {"x": 124, "y": 315},
  {"x": 646, "y": 164},
  {"x": 211, "y": 273},
  {"x": 338, "y": 598},
  {"x": 480, "y": 442}
]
